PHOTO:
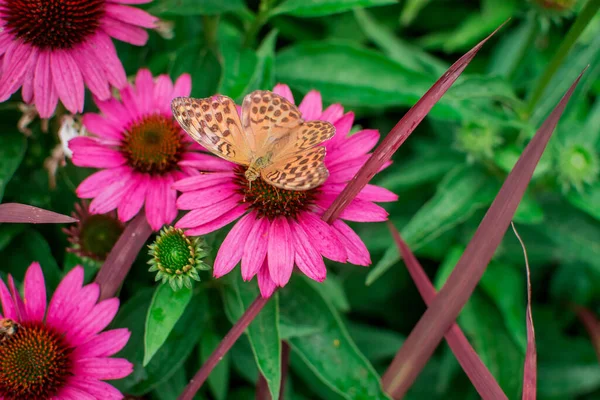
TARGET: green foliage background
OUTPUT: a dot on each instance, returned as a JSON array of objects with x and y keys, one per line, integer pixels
[{"x": 376, "y": 57}]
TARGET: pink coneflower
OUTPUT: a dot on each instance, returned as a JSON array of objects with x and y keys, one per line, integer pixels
[
  {"x": 51, "y": 48},
  {"x": 141, "y": 151},
  {"x": 279, "y": 228},
  {"x": 59, "y": 352}
]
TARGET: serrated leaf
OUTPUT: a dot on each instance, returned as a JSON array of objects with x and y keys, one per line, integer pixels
[
  {"x": 319, "y": 8},
  {"x": 166, "y": 307},
  {"x": 12, "y": 151},
  {"x": 218, "y": 380},
  {"x": 263, "y": 331},
  {"x": 330, "y": 353}
]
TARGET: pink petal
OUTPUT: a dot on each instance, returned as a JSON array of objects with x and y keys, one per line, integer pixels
[
  {"x": 201, "y": 216},
  {"x": 160, "y": 202},
  {"x": 183, "y": 87},
  {"x": 93, "y": 74},
  {"x": 99, "y": 389},
  {"x": 131, "y": 15},
  {"x": 105, "y": 54},
  {"x": 133, "y": 200},
  {"x": 27, "y": 90},
  {"x": 280, "y": 251},
  {"x": 218, "y": 222},
  {"x": 364, "y": 211},
  {"x": 163, "y": 90},
  {"x": 357, "y": 251},
  {"x": 360, "y": 143},
  {"x": 71, "y": 393},
  {"x": 81, "y": 305},
  {"x": 17, "y": 60},
  {"x": 35, "y": 293},
  {"x": 115, "y": 112},
  {"x": 324, "y": 238},
  {"x": 342, "y": 128},
  {"x": 46, "y": 96},
  {"x": 111, "y": 196},
  {"x": 62, "y": 300},
  {"x": 144, "y": 86},
  {"x": 308, "y": 260},
  {"x": 67, "y": 79},
  {"x": 104, "y": 344},
  {"x": 130, "y": 1},
  {"x": 124, "y": 32},
  {"x": 88, "y": 152},
  {"x": 100, "y": 126},
  {"x": 103, "y": 368},
  {"x": 284, "y": 91},
  {"x": 95, "y": 321},
  {"x": 130, "y": 101},
  {"x": 255, "y": 249},
  {"x": 332, "y": 113},
  {"x": 232, "y": 247},
  {"x": 206, "y": 197},
  {"x": 94, "y": 184},
  {"x": 369, "y": 193},
  {"x": 8, "y": 306},
  {"x": 203, "y": 181},
  {"x": 311, "y": 106},
  {"x": 205, "y": 162},
  {"x": 17, "y": 300},
  {"x": 265, "y": 283}
]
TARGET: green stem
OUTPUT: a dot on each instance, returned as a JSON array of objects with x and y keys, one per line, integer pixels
[
  {"x": 261, "y": 18},
  {"x": 585, "y": 16}
]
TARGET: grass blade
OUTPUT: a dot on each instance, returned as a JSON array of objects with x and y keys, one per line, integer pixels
[
  {"x": 21, "y": 213},
  {"x": 401, "y": 132},
  {"x": 480, "y": 376},
  {"x": 427, "y": 334}
]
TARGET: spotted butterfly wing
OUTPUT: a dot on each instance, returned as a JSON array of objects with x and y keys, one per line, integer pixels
[
  {"x": 302, "y": 170},
  {"x": 214, "y": 124}
]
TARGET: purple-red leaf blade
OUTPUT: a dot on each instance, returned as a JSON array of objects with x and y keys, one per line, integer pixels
[
  {"x": 123, "y": 254},
  {"x": 396, "y": 137},
  {"x": 427, "y": 334},
  {"x": 25, "y": 214},
  {"x": 480, "y": 376}
]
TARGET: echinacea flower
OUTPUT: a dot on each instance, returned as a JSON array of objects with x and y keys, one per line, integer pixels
[
  {"x": 279, "y": 228},
  {"x": 58, "y": 351},
  {"x": 141, "y": 150},
  {"x": 53, "y": 48}
]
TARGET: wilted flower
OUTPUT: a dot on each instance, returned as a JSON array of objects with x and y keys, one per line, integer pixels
[
  {"x": 279, "y": 228},
  {"x": 52, "y": 48},
  {"x": 140, "y": 149},
  {"x": 59, "y": 351}
]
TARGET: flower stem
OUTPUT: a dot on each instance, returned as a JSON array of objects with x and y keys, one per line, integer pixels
[
  {"x": 121, "y": 257},
  {"x": 232, "y": 336},
  {"x": 582, "y": 21}
]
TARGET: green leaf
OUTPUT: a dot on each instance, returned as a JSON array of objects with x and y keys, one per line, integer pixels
[
  {"x": 173, "y": 353},
  {"x": 173, "y": 387},
  {"x": 90, "y": 267},
  {"x": 196, "y": 7},
  {"x": 264, "y": 76},
  {"x": 463, "y": 191},
  {"x": 26, "y": 248},
  {"x": 319, "y": 8},
  {"x": 243, "y": 360},
  {"x": 447, "y": 266},
  {"x": 166, "y": 308},
  {"x": 330, "y": 353},
  {"x": 263, "y": 332},
  {"x": 218, "y": 380},
  {"x": 529, "y": 211},
  {"x": 202, "y": 64},
  {"x": 8, "y": 232},
  {"x": 494, "y": 345},
  {"x": 388, "y": 342},
  {"x": 12, "y": 151},
  {"x": 563, "y": 380},
  {"x": 332, "y": 289},
  {"x": 240, "y": 64},
  {"x": 587, "y": 200}
]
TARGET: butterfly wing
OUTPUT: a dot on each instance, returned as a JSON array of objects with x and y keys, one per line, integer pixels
[
  {"x": 214, "y": 123},
  {"x": 304, "y": 137},
  {"x": 268, "y": 121},
  {"x": 302, "y": 170}
]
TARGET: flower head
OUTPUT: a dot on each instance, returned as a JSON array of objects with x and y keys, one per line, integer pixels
[
  {"x": 282, "y": 228},
  {"x": 52, "y": 48},
  {"x": 58, "y": 351},
  {"x": 140, "y": 149}
]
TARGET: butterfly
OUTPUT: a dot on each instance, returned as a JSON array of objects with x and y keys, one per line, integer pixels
[{"x": 271, "y": 139}]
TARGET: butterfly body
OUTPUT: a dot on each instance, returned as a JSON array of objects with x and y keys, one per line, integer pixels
[{"x": 271, "y": 139}]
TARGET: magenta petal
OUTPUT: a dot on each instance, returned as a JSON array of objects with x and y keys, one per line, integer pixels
[
  {"x": 308, "y": 260},
  {"x": 67, "y": 79},
  {"x": 98, "y": 389},
  {"x": 103, "y": 368},
  {"x": 27, "y": 90},
  {"x": 115, "y": 112},
  {"x": 232, "y": 248},
  {"x": 206, "y": 197},
  {"x": 17, "y": 300},
  {"x": 35, "y": 293},
  {"x": 284, "y": 91},
  {"x": 311, "y": 106},
  {"x": 93, "y": 73},
  {"x": 88, "y": 152},
  {"x": 265, "y": 283},
  {"x": 144, "y": 86},
  {"x": 104, "y": 344},
  {"x": 100, "y": 126},
  {"x": 204, "y": 162},
  {"x": 255, "y": 249},
  {"x": 332, "y": 113},
  {"x": 183, "y": 87},
  {"x": 131, "y": 15},
  {"x": 342, "y": 128},
  {"x": 163, "y": 90},
  {"x": 360, "y": 143},
  {"x": 202, "y": 181},
  {"x": 110, "y": 197},
  {"x": 369, "y": 192},
  {"x": 72, "y": 393},
  {"x": 324, "y": 238},
  {"x": 81, "y": 305},
  {"x": 357, "y": 251},
  {"x": 124, "y": 32},
  {"x": 8, "y": 307},
  {"x": 17, "y": 60},
  {"x": 94, "y": 184},
  {"x": 94, "y": 321},
  {"x": 280, "y": 254},
  {"x": 134, "y": 198},
  {"x": 218, "y": 222},
  {"x": 201, "y": 216},
  {"x": 364, "y": 211},
  {"x": 104, "y": 50},
  {"x": 63, "y": 296}
]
